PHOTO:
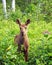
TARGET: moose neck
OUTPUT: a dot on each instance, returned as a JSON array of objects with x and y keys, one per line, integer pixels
[{"x": 22, "y": 35}]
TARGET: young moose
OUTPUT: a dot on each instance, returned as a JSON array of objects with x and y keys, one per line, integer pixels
[{"x": 22, "y": 38}]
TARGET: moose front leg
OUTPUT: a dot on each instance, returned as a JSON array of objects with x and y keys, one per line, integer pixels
[
  {"x": 26, "y": 51},
  {"x": 19, "y": 48},
  {"x": 26, "y": 54}
]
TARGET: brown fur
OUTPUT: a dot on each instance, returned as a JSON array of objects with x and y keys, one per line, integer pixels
[{"x": 22, "y": 38}]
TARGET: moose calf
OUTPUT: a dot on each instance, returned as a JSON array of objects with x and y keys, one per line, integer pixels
[{"x": 22, "y": 38}]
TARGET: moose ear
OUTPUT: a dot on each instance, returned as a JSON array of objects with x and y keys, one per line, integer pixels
[
  {"x": 27, "y": 22},
  {"x": 18, "y": 22}
]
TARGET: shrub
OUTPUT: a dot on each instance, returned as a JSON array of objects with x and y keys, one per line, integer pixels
[{"x": 40, "y": 49}]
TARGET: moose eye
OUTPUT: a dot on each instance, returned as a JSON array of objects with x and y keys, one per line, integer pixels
[{"x": 20, "y": 27}]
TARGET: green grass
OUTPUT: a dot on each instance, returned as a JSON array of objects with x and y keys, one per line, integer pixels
[{"x": 40, "y": 46}]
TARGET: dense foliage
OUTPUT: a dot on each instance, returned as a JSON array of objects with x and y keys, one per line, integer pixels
[
  {"x": 40, "y": 9},
  {"x": 40, "y": 41},
  {"x": 39, "y": 32}
]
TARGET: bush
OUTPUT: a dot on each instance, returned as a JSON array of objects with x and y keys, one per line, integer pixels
[{"x": 40, "y": 49}]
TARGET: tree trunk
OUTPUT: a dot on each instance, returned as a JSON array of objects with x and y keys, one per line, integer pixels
[
  {"x": 13, "y": 5},
  {"x": 4, "y": 8}
]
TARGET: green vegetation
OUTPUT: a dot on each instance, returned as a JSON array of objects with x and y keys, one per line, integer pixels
[
  {"x": 39, "y": 33},
  {"x": 40, "y": 49}
]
